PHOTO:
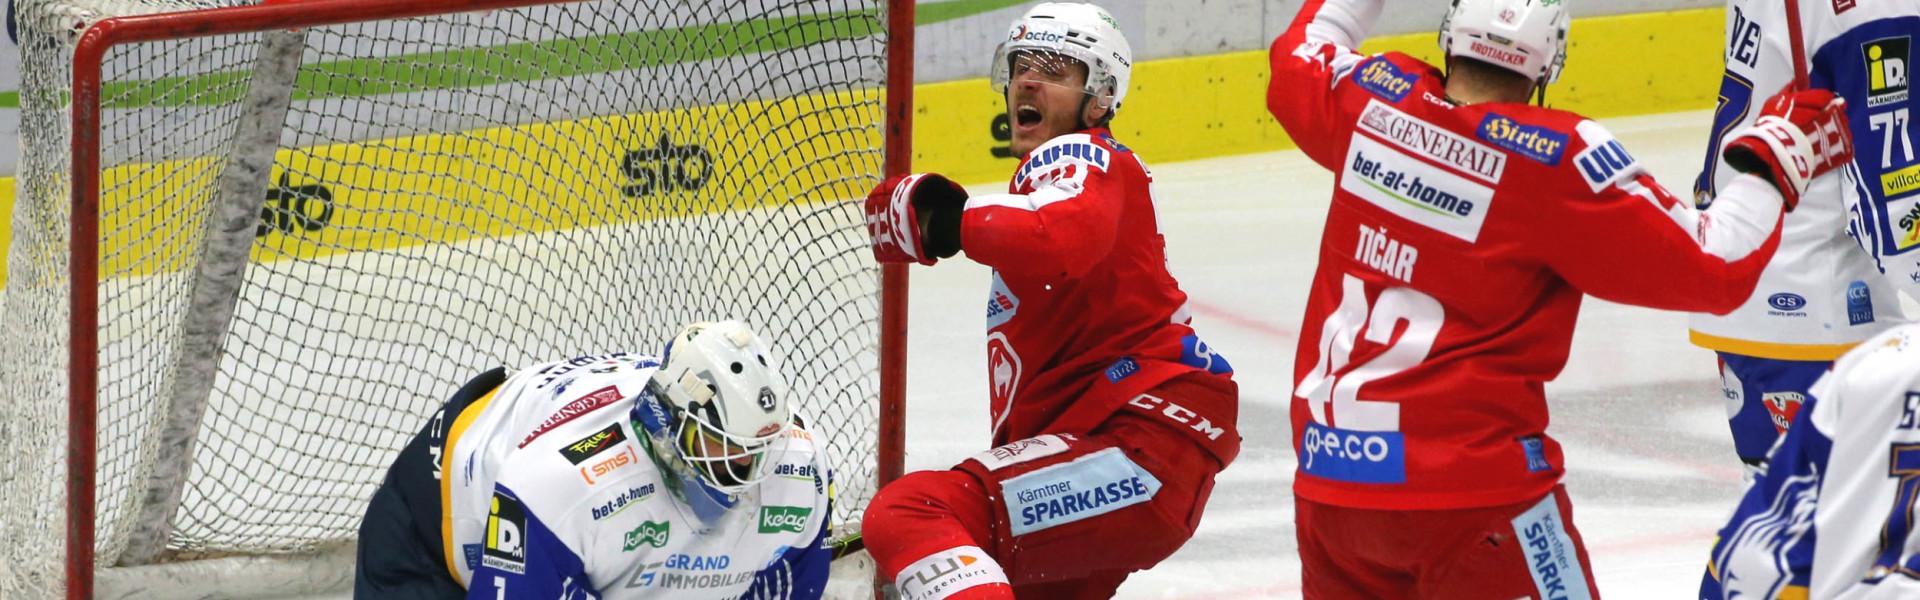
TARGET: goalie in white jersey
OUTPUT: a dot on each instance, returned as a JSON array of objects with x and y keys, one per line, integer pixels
[
  {"x": 611, "y": 477},
  {"x": 1832, "y": 515}
]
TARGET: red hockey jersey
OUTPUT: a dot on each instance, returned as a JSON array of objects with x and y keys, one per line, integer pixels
[
  {"x": 1082, "y": 315},
  {"x": 1455, "y": 254}
]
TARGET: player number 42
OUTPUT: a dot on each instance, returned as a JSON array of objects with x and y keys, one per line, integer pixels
[{"x": 1331, "y": 382}]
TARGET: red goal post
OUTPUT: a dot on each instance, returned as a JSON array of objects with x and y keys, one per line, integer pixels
[{"x": 85, "y": 225}]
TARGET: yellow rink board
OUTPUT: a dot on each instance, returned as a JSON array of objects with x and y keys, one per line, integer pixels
[
  {"x": 515, "y": 180},
  {"x": 480, "y": 182}
]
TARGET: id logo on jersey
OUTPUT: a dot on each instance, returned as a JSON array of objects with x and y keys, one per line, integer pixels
[
  {"x": 1353, "y": 456},
  {"x": 1092, "y": 485},
  {"x": 1886, "y": 70},
  {"x": 506, "y": 535},
  {"x": 1384, "y": 79}
]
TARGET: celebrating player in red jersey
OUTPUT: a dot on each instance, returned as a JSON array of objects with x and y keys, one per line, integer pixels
[
  {"x": 1465, "y": 227},
  {"x": 1112, "y": 417}
]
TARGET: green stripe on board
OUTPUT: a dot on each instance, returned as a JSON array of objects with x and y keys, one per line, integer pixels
[
  {"x": 533, "y": 61},
  {"x": 937, "y": 12},
  {"x": 529, "y": 61}
]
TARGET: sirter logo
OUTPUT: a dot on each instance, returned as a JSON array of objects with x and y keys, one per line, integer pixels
[
  {"x": 650, "y": 533},
  {"x": 1886, "y": 70},
  {"x": 775, "y": 519}
]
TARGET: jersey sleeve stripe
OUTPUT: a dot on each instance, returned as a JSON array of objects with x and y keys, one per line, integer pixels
[{"x": 446, "y": 478}]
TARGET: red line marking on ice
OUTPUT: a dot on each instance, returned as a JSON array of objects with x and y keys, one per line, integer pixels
[{"x": 1237, "y": 319}]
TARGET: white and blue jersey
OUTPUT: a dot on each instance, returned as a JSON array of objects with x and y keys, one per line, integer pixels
[
  {"x": 1833, "y": 515},
  {"x": 1820, "y": 295},
  {"x": 551, "y": 493}
]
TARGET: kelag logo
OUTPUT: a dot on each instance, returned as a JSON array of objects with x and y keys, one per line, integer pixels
[
  {"x": 665, "y": 167},
  {"x": 791, "y": 519}
]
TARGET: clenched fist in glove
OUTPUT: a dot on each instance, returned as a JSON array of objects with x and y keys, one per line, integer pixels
[
  {"x": 1800, "y": 134},
  {"x": 915, "y": 218}
]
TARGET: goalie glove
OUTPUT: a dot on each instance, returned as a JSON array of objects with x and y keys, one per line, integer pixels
[
  {"x": 898, "y": 212},
  {"x": 1800, "y": 135}
]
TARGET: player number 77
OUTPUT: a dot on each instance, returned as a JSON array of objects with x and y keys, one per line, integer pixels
[
  {"x": 1326, "y": 382},
  {"x": 1895, "y": 123}
]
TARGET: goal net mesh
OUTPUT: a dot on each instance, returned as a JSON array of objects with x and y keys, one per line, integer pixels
[{"x": 421, "y": 199}]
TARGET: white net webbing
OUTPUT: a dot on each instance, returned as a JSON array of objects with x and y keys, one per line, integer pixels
[{"x": 310, "y": 239}]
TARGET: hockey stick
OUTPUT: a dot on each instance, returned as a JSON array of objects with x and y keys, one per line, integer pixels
[
  {"x": 1798, "y": 45},
  {"x": 846, "y": 543}
]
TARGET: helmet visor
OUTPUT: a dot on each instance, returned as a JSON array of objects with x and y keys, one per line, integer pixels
[{"x": 1023, "y": 63}]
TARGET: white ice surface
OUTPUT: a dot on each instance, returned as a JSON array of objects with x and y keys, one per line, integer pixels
[{"x": 1650, "y": 464}]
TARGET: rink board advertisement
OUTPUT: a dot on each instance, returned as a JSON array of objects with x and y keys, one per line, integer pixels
[
  {"x": 344, "y": 198},
  {"x": 1194, "y": 102}
]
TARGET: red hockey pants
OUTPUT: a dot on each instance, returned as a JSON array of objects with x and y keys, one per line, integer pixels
[{"x": 1068, "y": 516}]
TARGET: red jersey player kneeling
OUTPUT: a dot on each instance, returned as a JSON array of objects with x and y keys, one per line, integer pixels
[
  {"x": 1466, "y": 225},
  {"x": 1111, "y": 416}
]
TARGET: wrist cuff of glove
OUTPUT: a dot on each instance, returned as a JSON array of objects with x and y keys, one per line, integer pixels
[{"x": 942, "y": 237}]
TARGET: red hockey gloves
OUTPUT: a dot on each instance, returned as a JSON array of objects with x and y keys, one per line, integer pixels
[
  {"x": 1800, "y": 134},
  {"x": 898, "y": 212}
]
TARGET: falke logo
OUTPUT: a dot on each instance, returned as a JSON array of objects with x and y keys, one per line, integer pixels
[{"x": 585, "y": 448}]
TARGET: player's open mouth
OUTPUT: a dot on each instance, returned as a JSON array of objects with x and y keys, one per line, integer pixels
[{"x": 1026, "y": 116}]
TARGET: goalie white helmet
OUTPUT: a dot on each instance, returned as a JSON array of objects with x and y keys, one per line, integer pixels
[
  {"x": 1081, "y": 32},
  {"x": 1528, "y": 37},
  {"x": 724, "y": 405}
]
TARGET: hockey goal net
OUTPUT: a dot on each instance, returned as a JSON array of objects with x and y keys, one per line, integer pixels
[{"x": 297, "y": 227}]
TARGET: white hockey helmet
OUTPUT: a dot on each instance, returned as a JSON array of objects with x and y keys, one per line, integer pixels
[
  {"x": 1082, "y": 32},
  {"x": 1528, "y": 37},
  {"x": 724, "y": 403}
]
